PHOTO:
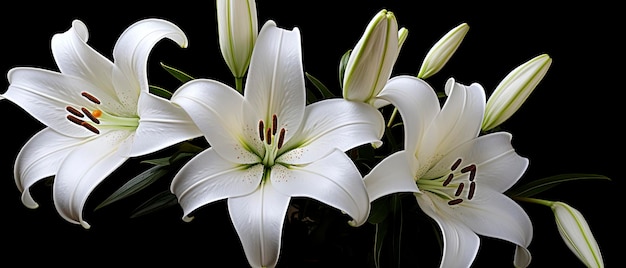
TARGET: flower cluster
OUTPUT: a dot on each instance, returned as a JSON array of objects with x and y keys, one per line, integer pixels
[{"x": 267, "y": 142}]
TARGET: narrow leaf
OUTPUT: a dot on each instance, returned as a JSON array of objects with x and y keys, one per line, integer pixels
[
  {"x": 320, "y": 86},
  {"x": 161, "y": 92},
  {"x": 135, "y": 185},
  {"x": 534, "y": 187},
  {"x": 181, "y": 76},
  {"x": 160, "y": 201},
  {"x": 342, "y": 66}
]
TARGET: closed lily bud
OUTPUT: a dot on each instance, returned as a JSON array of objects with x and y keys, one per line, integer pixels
[
  {"x": 371, "y": 61},
  {"x": 577, "y": 235},
  {"x": 237, "y": 30},
  {"x": 514, "y": 90},
  {"x": 442, "y": 51}
]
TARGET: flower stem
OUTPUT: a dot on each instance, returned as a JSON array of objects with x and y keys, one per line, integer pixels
[
  {"x": 534, "y": 200},
  {"x": 239, "y": 84}
]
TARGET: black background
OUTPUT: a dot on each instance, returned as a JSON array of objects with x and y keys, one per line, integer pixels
[{"x": 570, "y": 124}]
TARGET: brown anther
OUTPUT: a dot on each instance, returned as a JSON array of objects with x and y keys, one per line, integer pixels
[
  {"x": 472, "y": 175},
  {"x": 459, "y": 190},
  {"x": 468, "y": 168},
  {"x": 455, "y": 201},
  {"x": 269, "y": 136},
  {"x": 456, "y": 164},
  {"x": 88, "y": 113},
  {"x": 471, "y": 190},
  {"x": 448, "y": 180},
  {"x": 73, "y": 111},
  {"x": 261, "y": 130},
  {"x": 90, "y": 127},
  {"x": 274, "y": 124},
  {"x": 74, "y": 119},
  {"x": 90, "y": 97},
  {"x": 281, "y": 138}
]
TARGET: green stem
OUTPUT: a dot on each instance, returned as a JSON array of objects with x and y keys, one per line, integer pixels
[
  {"x": 392, "y": 117},
  {"x": 239, "y": 84},
  {"x": 534, "y": 200}
]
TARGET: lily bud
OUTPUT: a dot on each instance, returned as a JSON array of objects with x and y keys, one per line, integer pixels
[
  {"x": 237, "y": 29},
  {"x": 372, "y": 59},
  {"x": 577, "y": 235},
  {"x": 514, "y": 90},
  {"x": 442, "y": 51},
  {"x": 402, "y": 35}
]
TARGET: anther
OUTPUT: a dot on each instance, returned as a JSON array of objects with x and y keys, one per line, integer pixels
[
  {"x": 459, "y": 190},
  {"x": 74, "y": 119},
  {"x": 269, "y": 136},
  {"x": 281, "y": 138},
  {"x": 456, "y": 164},
  {"x": 468, "y": 168},
  {"x": 455, "y": 201},
  {"x": 90, "y": 97},
  {"x": 471, "y": 190},
  {"x": 261, "y": 128},
  {"x": 90, "y": 127},
  {"x": 91, "y": 116},
  {"x": 448, "y": 180},
  {"x": 73, "y": 111},
  {"x": 274, "y": 124}
]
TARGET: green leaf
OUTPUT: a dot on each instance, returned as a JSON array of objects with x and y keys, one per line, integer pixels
[
  {"x": 164, "y": 161},
  {"x": 381, "y": 233},
  {"x": 160, "y": 201},
  {"x": 320, "y": 86},
  {"x": 181, "y": 76},
  {"x": 135, "y": 185},
  {"x": 538, "y": 186},
  {"x": 342, "y": 66},
  {"x": 161, "y": 92}
]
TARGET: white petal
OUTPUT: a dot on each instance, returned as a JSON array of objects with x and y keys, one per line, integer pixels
[
  {"x": 82, "y": 170},
  {"x": 208, "y": 177},
  {"x": 498, "y": 166},
  {"x": 74, "y": 57},
  {"x": 45, "y": 95},
  {"x": 258, "y": 219},
  {"x": 391, "y": 175},
  {"x": 460, "y": 242},
  {"x": 275, "y": 83},
  {"x": 333, "y": 180},
  {"x": 334, "y": 124},
  {"x": 417, "y": 103},
  {"x": 131, "y": 53},
  {"x": 459, "y": 120},
  {"x": 161, "y": 124},
  {"x": 41, "y": 157},
  {"x": 216, "y": 110}
]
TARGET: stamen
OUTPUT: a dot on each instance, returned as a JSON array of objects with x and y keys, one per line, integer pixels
[
  {"x": 468, "y": 168},
  {"x": 274, "y": 124},
  {"x": 455, "y": 201},
  {"x": 74, "y": 119},
  {"x": 73, "y": 111},
  {"x": 281, "y": 138},
  {"x": 261, "y": 128},
  {"x": 90, "y": 97},
  {"x": 269, "y": 136},
  {"x": 456, "y": 164},
  {"x": 459, "y": 190},
  {"x": 448, "y": 180},
  {"x": 90, "y": 127},
  {"x": 471, "y": 190},
  {"x": 91, "y": 116}
]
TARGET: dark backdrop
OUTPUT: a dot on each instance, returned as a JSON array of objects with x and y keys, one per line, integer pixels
[{"x": 571, "y": 123}]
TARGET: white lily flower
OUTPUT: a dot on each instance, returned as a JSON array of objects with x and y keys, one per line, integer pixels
[
  {"x": 98, "y": 113},
  {"x": 372, "y": 59},
  {"x": 576, "y": 234},
  {"x": 457, "y": 177},
  {"x": 442, "y": 51},
  {"x": 237, "y": 31},
  {"x": 268, "y": 146},
  {"x": 514, "y": 89}
]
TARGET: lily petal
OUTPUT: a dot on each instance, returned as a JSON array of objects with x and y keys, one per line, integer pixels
[
  {"x": 74, "y": 57},
  {"x": 40, "y": 158},
  {"x": 275, "y": 83},
  {"x": 208, "y": 177},
  {"x": 417, "y": 103},
  {"x": 82, "y": 170},
  {"x": 333, "y": 180},
  {"x": 391, "y": 175},
  {"x": 334, "y": 124},
  {"x": 461, "y": 244},
  {"x": 161, "y": 124},
  {"x": 206, "y": 102},
  {"x": 258, "y": 219},
  {"x": 131, "y": 53}
]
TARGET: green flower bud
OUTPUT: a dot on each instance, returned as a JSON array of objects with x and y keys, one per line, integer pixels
[
  {"x": 577, "y": 235},
  {"x": 442, "y": 51},
  {"x": 237, "y": 30}
]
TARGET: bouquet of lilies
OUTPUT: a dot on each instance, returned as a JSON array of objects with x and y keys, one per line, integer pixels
[{"x": 268, "y": 138}]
